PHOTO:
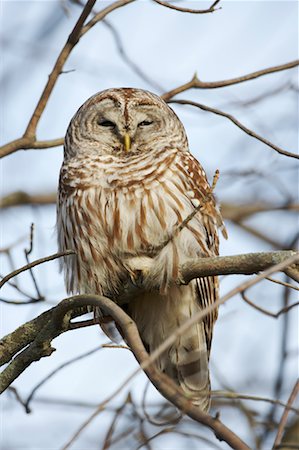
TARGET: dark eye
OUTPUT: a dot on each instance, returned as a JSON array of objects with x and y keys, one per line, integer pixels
[
  {"x": 145, "y": 123},
  {"x": 106, "y": 123}
]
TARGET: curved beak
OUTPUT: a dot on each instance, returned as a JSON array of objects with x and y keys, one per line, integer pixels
[{"x": 127, "y": 142}]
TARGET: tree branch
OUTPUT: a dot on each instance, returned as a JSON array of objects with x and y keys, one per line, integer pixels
[
  {"x": 30, "y": 332},
  {"x": 239, "y": 124},
  {"x": 56, "y": 321},
  {"x": 198, "y": 84},
  {"x": 188, "y": 10},
  {"x": 246, "y": 264},
  {"x": 29, "y": 138},
  {"x": 35, "y": 263},
  {"x": 284, "y": 417}
]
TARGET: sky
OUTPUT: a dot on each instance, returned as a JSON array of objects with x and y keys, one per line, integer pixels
[{"x": 169, "y": 47}]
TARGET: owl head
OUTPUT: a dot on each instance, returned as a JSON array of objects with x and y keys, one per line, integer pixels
[{"x": 123, "y": 122}]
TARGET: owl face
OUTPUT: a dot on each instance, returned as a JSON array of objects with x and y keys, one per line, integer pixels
[{"x": 122, "y": 122}]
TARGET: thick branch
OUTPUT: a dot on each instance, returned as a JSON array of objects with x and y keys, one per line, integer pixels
[
  {"x": 25, "y": 334},
  {"x": 22, "y": 198},
  {"x": 29, "y": 139},
  {"x": 58, "y": 319},
  {"x": 25, "y": 143},
  {"x": 196, "y": 83},
  {"x": 59, "y": 323},
  {"x": 246, "y": 264}
]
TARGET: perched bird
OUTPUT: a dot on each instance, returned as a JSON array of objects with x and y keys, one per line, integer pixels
[{"x": 127, "y": 183}]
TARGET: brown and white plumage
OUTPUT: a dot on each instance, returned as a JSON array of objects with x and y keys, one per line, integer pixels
[{"x": 127, "y": 181}]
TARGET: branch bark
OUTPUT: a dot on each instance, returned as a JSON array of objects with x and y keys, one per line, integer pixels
[
  {"x": 42, "y": 330},
  {"x": 198, "y": 84},
  {"x": 29, "y": 138},
  {"x": 59, "y": 323},
  {"x": 246, "y": 264}
]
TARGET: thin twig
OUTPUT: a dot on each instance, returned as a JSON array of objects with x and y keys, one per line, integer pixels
[
  {"x": 118, "y": 413},
  {"x": 282, "y": 283},
  {"x": 54, "y": 372},
  {"x": 136, "y": 69},
  {"x": 22, "y": 302},
  {"x": 284, "y": 417},
  {"x": 27, "y": 253},
  {"x": 35, "y": 263},
  {"x": 236, "y": 395},
  {"x": 265, "y": 311},
  {"x": 189, "y": 10},
  {"x": 239, "y": 124},
  {"x": 208, "y": 198},
  {"x": 171, "y": 421}
]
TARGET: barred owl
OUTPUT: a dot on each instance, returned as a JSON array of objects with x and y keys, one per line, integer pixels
[{"x": 126, "y": 183}]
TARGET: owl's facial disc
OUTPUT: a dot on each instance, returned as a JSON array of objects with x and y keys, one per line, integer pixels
[{"x": 127, "y": 128}]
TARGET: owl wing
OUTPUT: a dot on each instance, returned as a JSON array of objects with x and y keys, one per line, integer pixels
[{"x": 207, "y": 288}]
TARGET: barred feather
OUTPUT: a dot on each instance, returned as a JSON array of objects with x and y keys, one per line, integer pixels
[{"x": 116, "y": 207}]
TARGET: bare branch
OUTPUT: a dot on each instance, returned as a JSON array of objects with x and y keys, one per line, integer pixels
[
  {"x": 196, "y": 83},
  {"x": 243, "y": 211},
  {"x": 239, "y": 124},
  {"x": 57, "y": 321},
  {"x": 126, "y": 58},
  {"x": 260, "y": 235},
  {"x": 265, "y": 311},
  {"x": 211, "y": 9},
  {"x": 35, "y": 263},
  {"x": 166, "y": 386},
  {"x": 29, "y": 138},
  {"x": 19, "y": 198},
  {"x": 282, "y": 283},
  {"x": 283, "y": 420},
  {"x": 66, "y": 50},
  {"x": 54, "y": 372},
  {"x": 27, "y": 142},
  {"x": 246, "y": 264},
  {"x": 200, "y": 315},
  {"x": 118, "y": 412}
]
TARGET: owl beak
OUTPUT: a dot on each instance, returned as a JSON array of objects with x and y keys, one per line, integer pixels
[{"x": 127, "y": 142}]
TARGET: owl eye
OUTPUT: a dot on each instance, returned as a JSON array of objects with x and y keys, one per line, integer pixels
[
  {"x": 145, "y": 123},
  {"x": 106, "y": 123}
]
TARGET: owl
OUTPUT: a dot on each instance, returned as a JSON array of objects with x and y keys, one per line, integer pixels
[{"x": 127, "y": 182}]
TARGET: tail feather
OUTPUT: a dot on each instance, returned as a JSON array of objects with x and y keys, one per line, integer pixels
[
  {"x": 190, "y": 358},
  {"x": 186, "y": 361}
]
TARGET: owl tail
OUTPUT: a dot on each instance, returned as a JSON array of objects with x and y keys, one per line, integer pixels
[{"x": 186, "y": 361}]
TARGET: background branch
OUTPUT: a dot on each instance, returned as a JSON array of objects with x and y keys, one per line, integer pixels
[
  {"x": 239, "y": 125},
  {"x": 198, "y": 84},
  {"x": 211, "y": 9},
  {"x": 29, "y": 138}
]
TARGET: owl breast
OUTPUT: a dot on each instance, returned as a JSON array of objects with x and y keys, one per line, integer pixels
[{"x": 120, "y": 210}]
